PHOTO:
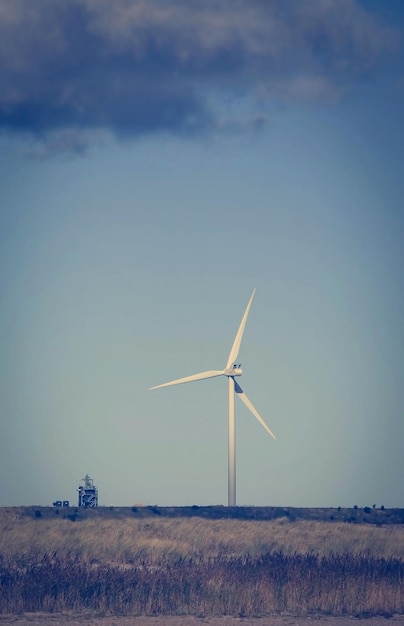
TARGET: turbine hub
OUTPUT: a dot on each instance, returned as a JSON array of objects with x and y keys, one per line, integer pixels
[{"x": 233, "y": 370}]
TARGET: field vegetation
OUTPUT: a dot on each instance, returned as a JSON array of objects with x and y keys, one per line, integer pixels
[{"x": 156, "y": 564}]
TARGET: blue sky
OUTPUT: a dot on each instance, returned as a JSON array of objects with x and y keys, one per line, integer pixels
[{"x": 158, "y": 161}]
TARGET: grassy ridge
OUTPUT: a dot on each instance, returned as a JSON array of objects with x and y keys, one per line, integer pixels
[
  {"x": 378, "y": 516},
  {"x": 173, "y": 565}
]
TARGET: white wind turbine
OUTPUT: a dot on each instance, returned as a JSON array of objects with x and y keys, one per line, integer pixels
[{"x": 231, "y": 371}]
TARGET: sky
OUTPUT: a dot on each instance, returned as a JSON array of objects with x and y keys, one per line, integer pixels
[{"x": 158, "y": 161}]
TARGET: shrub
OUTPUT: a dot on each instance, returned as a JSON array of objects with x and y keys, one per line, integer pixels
[{"x": 155, "y": 510}]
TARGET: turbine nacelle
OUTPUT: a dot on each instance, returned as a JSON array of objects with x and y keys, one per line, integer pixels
[{"x": 234, "y": 370}]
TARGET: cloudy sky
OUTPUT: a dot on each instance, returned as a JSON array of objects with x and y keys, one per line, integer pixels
[{"x": 159, "y": 159}]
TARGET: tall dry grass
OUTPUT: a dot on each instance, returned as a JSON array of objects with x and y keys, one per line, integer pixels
[
  {"x": 127, "y": 539},
  {"x": 200, "y": 566},
  {"x": 269, "y": 584}
]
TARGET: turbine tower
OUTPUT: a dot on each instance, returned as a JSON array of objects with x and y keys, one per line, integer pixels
[{"x": 232, "y": 370}]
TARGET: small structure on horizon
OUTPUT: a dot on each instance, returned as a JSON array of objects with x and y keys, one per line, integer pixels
[{"x": 88, "y": 493}]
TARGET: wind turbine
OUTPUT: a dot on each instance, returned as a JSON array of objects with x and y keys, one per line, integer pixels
[{"x": 231, "y": 370}]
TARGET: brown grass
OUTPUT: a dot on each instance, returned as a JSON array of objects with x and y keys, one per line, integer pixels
[
  {"x": 196, "y": 566},
  {"x": 127, "y": 539},
  {"x": 269, "y": 584}
]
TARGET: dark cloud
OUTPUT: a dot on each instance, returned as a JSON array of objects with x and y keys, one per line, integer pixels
[{"x": 143, "y": 66}]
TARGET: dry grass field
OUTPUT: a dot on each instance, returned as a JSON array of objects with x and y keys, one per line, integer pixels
[
  {"x": 121, "y": 564},
  {"x": 126, "y": 539}
]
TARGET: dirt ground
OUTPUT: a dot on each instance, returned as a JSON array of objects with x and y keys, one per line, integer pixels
[{"x": 49, "y": 619}]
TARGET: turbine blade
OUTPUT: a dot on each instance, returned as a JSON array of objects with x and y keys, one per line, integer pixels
[
  {"x": 190, "y": 379},
  {"x": 237, "y": 341},
  {"x": 250, "y": 406}
]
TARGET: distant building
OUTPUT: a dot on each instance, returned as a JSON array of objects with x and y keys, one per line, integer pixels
[{"x": 88, "y": 493}]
